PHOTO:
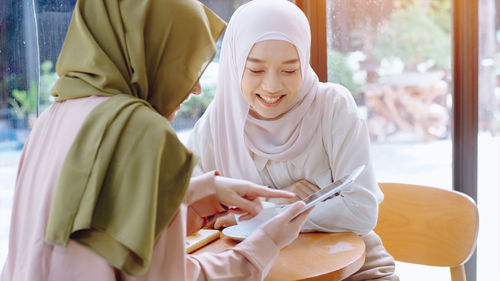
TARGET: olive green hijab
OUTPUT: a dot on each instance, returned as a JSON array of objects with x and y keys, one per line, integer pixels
[{"x": 126, "y": 173}]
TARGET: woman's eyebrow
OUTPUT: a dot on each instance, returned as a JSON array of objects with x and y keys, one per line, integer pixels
[
  {"x": 291, "y": 61},
  {"x": 256, "y": 60}
]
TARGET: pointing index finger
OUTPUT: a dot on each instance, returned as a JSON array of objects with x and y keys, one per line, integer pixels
[{"x": 274, "y": 193}]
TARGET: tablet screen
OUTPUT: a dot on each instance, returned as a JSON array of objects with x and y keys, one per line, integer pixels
[{"x": 332, "y": 189}]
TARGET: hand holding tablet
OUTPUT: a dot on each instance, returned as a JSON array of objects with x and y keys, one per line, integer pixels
[
  {"x": 332, "y": 189},
  {"x": 245, "y": 228}
]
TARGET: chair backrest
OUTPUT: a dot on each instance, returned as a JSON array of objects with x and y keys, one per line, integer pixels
[{"x": 428, "y": 226}]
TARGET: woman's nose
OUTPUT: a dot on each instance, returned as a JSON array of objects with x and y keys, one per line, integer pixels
[{"x": 272, "y": 83}]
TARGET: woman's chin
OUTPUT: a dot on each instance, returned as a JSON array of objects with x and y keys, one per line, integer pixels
[
  {"x": 171, "y": 117},
  {"x": 267, "y": 114}
]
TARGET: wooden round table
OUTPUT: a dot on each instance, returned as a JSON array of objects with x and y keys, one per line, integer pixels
[{"x": 312, "y": 256}]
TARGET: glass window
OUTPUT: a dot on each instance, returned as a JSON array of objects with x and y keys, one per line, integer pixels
[
  {"x": 395, "y": 58},
  {"x": 27, "y": 62},
  {"x": 18, "y": 87}
]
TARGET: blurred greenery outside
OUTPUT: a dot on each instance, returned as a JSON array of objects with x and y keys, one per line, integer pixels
[
  {"x": 414, "y": 36},
  {"x": 194, "y": 107},
  {"x": 23, "y": 103},
  {"x": 401, "y": 48},
  {"x": 411, "y": 39}
]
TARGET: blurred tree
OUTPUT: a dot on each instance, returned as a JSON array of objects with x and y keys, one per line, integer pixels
[
  {"x": 441, "y": 11},
  {"x": 340, "y": 72},
  {"x": 413, "y": 36},
  {"x": 23, "y": 104},
  {"x": 47, "y": 79},
  {"x": 193, "y": 108}
]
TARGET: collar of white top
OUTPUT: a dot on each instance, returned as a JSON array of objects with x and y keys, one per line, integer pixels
[{"x": 298, "y": 162}]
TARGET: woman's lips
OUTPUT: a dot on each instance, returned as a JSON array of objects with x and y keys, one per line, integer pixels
[{"x": 270, "y": 101}]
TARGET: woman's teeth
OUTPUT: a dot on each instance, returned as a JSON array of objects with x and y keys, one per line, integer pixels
[{"x": 270, "y": 100}]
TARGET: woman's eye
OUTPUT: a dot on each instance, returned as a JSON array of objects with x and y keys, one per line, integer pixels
[
  {"x": 290, "y": 71},
  {"x": 256, "y": 71}
]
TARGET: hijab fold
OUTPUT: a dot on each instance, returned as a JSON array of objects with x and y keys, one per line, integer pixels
[
  {"x": 126, "y": 173},
  {"x": 237, "y": 135}
]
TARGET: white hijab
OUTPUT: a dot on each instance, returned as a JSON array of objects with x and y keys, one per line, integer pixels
[{"x": 237, "y": 135}]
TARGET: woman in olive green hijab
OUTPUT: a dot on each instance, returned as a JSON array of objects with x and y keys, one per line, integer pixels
[{"x": 103, "y": 190}]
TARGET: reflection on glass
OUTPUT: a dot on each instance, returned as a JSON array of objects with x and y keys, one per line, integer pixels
[
  {"x": 394, "y": 57},
  {"x": 19, "y": 81},
  {"x": 53, "y": 18}
]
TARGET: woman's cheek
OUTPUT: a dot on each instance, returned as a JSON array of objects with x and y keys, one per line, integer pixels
[
  {"x": 251, "y": 84},
  {"x": 295, "y": 82}
]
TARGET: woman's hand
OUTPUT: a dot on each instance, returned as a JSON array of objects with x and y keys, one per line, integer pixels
[
  {"x": 285, "y": 227},
  {"x": 244, "y": 195},
  {"x": 223, "y": 220},
  {"x": 302, "y": 189}
]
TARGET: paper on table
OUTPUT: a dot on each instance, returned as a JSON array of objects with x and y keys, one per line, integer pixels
[{"x": 200, "y": 239}]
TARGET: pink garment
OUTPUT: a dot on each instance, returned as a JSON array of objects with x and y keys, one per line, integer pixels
[
  {"x": 30, "y": 258},
  {"x": 237, "y": 134}
]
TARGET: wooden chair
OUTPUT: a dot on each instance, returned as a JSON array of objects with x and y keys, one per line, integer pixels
[{"x": 428, "y": 226}]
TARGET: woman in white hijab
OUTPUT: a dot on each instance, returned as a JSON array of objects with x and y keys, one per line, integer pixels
[{"x": 272, "y": 122}]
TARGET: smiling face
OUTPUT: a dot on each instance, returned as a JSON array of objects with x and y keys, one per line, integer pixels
[{"x": 271, "y": 79}]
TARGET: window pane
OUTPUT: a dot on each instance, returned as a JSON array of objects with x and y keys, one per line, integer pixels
[
  {"x": 18, "y": 82},
  {"x": 19, "y": 55},
  {"x": 488, "y": 246},
  {"x": 53, "y": 18},
  {"x": 395, "y": 58}
]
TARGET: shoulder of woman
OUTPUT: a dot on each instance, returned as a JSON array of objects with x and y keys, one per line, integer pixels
[
  {"x": 337, "y": 99},
  {"x": 152, "y": 123},
  {"x": 340, "y": 113}
]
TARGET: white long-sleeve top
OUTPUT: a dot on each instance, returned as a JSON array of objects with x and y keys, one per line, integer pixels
[{"x": 340, "y": 145}]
